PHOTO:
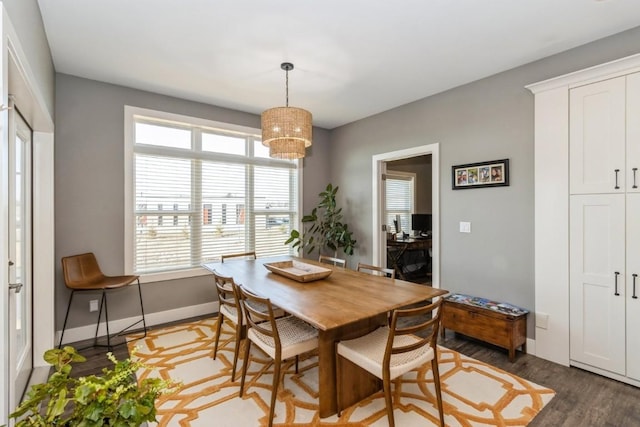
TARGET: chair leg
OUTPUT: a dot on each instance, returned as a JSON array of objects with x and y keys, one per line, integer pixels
[
  {"x": 247, "y": 350},
  {"x": 218, "y": 329},
  {"x": 297, "y": 358},
  {"x": 66, "y": 317},
  {"x": 274, "y": 393},
  {"x": 386, "y": 386},
  {"x": 236, "y": 350},
  {"x": 338, "y": 380},
  {"x": 106, "y": 320},
  {"x": 144, "y": 321},
  {"x": 436, "y": 382},
  {"x": 95, "y": 336}
]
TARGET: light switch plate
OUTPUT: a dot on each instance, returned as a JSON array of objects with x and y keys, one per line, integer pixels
[{"x": 465, "y": 227}]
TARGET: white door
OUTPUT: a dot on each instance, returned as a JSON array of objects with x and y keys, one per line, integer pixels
[
  {"x": 633, "y": 133},
  {"x": 597, "y": 137},
  {"x": 633, "y": 286},
  {"x": 597, "y": 281},
  {"x": 20, "y": 257}
]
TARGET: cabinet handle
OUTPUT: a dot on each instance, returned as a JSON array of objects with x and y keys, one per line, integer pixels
[
  {"x": 635, "y": 170},
  {"x": 617, "y": 187},
  {"x": 634, "y": 286},
  {"x": 617, "y": 273}
]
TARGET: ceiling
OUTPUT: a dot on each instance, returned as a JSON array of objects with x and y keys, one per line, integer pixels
[{"x": 352, "y": 58}]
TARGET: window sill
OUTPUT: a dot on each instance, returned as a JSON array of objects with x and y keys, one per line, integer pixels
[{"x": 172, "y": 275}]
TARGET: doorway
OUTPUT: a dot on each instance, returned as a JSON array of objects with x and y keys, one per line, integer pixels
[
  {"x": 20, "y": 255},
  {"x": 379, "y": 169}
]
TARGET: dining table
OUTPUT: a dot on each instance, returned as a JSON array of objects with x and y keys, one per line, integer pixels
[{"x": 344, "y": 305}]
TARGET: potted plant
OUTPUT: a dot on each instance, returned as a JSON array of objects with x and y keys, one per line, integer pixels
[
  {"x": 114, "y": 398},
  {"x": 323, "y": 228}
]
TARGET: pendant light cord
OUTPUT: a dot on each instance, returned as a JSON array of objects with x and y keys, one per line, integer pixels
[{"x": 287, "y": 86}]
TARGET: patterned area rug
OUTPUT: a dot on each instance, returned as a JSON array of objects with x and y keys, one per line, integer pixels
[{"x": 474, "y": 393}]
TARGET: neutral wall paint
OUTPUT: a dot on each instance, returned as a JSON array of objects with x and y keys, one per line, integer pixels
[
  {"x": 89, "y": 184},
  {"x": 484, "y": 120},
  {"x": 26, "y": 19}
]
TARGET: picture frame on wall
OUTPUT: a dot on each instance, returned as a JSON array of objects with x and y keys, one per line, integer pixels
[{"x": 494, "y": 173}]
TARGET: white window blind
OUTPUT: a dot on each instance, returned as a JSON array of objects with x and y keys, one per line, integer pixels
[
  {"x": 200, "y": 192},
  {"x": 399, "y": 199}
]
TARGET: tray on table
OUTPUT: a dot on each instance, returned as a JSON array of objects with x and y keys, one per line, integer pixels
[{"x": 298, "y": 271}]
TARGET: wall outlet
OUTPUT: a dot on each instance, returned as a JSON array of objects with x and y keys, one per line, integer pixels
[
  {"x": 465, "y": 227},
  {"x": 93, "y": 305}
]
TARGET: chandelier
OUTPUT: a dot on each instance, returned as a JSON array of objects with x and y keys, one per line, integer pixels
[{"x": 286, "y": 130}]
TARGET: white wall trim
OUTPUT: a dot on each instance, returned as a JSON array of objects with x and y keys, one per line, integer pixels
[
  {"x": 551, "y": 189},
  {"x": 531, "y": 346},
  {"x": 43, "y": 246},
  {"x": 378, "y": 163},
  {"x": 4, "y": 224},
  {"x": 88, "y": 331}
]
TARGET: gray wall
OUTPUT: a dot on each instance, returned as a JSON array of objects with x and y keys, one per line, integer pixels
[
  {"x": 27, "y": 21},
  {"x": 484, "y": 120},
  {"x": 89, "y": 189}
]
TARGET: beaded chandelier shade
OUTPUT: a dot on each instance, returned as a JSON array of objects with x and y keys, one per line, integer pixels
[{"x": 286, "y": 130}]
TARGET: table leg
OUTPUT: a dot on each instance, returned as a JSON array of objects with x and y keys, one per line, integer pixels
[{"x": 327, "y": 361}]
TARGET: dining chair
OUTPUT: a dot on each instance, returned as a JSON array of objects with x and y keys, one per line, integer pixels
[
  {"x": 244, "y": 255},
  {"x": 380, "y": 271},
  {"x": 280, "y": 338},
  {"x": 391, "y": 351},
  {"x": 333, "y": 261},
  {"x": 231, "y": 309},
  {"x": 82, "y": 274}
]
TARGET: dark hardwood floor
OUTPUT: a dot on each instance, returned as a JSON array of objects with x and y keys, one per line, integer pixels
[{"x": 582, "y": 398}]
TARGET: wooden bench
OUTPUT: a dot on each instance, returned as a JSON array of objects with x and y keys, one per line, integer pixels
[{"x": 497, "y": 323}]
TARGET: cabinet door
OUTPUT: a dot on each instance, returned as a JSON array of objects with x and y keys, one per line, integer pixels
[
  {"x": 597, "y": 276},
  {"x": 633, "y": 133},
  {"x": 633, "y": 286},
  {"x": 597, "y": 137}
]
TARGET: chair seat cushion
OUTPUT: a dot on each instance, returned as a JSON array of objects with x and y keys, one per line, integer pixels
[
  {"x": 368, "y": 352},
  {"x": 230, "y": 313},
  {"x": 296, "y": 337}
]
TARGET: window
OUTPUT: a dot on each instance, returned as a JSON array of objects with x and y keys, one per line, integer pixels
[
  {"x": 400, "y": 199},
  {"x": 215, "y": 186}
]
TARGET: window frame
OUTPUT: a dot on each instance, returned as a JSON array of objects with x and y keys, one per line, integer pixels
[
  {"x": 130, "y": 113},
  {"x": 402, "y": 176}
]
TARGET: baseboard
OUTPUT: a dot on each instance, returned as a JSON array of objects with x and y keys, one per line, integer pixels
[
  {"x": 87, "y": 332},
  {"x": 531, "y": 346}
]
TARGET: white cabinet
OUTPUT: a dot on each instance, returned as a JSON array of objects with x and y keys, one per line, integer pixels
[
  {"x": 597, "y": 276},
  {"x": 597, "y": 137},
  {"x": 633, "y": 286},
  {"x": 633, "y": 133},
  {"x": 604, "y": 226}
]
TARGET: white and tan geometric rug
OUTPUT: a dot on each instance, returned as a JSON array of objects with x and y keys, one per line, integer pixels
[{"x": 474, "y": 393}]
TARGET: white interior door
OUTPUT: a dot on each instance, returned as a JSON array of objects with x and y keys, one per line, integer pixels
[
  {"x": 20, "y": 257},
  {"x": 633, "y": 287},
  {"x": 597, "y": 137},
  {"x": 597, "y": 281}
]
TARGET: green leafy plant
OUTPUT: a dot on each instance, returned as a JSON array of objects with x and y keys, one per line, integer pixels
[
  {"x": 114, "y": 398},
  {"x": 323, "y": 228}
]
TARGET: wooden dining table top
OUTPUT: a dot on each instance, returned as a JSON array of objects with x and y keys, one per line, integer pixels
[{"x": 343, "y": 297}]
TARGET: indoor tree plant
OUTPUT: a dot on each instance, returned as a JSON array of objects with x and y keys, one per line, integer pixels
[
  {"x": 114, "y": 398},
  {"x": 323, "y": 228}
]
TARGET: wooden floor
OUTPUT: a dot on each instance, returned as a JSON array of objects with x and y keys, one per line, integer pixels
[{"x": 582, "y": 398}]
